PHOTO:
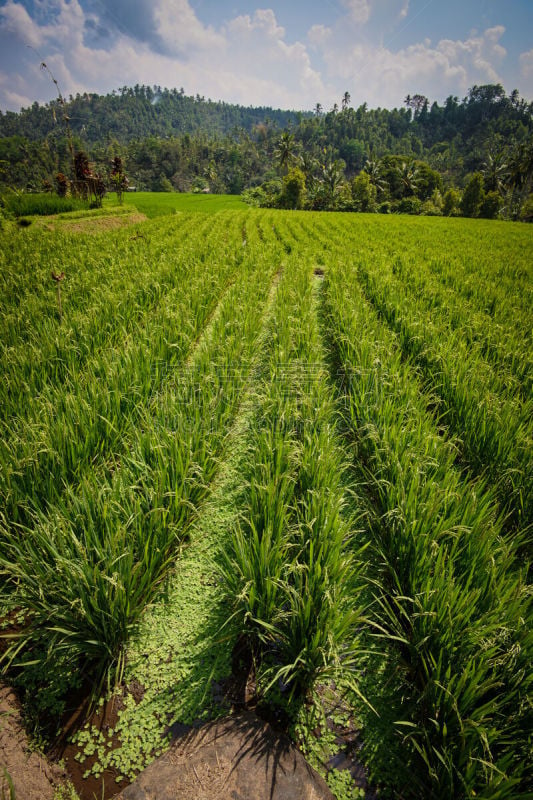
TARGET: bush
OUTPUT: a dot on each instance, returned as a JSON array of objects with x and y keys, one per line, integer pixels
[
  {"x": 265, "y": 196},
  {"x": 255, "y": 197},
  {"x": 473, "y": 196},
  {"x": 429, "y": 209},
  {"x": 408, "y": 205},
  {"x": 526, "y": 214},
  {"x": 384, "y": 208},
  {"x": 293, "y": 193},
  {"x": 22, "y": 205},
  {"x": 491, "y": 205},
  {"x": 363, "y": 193},
  {"x": 451, "y": 203}
]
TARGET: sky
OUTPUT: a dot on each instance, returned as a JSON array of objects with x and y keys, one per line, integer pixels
[{"x": 279, "y": 53}]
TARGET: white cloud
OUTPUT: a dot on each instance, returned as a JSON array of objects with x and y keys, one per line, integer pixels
[
  {"x": 180, "y": 30},
  {"x": 15, "y": 20},
  {"x": 526, "y": 64},
  {"x": 383, "y": 77},
  {"x": 359, "y": 10},
  {"x": 247, "y": 61},
  {"x": 318, "y": 35}
]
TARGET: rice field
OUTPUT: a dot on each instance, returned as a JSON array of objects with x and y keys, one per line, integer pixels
[{"x": 304, "y": 435}]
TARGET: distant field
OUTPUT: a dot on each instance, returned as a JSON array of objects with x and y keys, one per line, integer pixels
[
  {"x": 157, "y": 204},
  {"x": 307, "y": 433}
]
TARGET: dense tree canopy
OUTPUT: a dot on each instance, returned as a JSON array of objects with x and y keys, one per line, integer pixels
[{"x": 169, "y": 141}]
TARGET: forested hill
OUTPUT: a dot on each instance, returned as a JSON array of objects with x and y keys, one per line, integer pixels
[
  {"x": 171, "y": 142},
  {"x": 138, "y": 112}
]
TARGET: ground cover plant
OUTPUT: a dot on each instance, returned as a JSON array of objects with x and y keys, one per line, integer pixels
[{"x": 313, "y": 429}]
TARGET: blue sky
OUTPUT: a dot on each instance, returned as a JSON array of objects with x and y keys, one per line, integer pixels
[{"x": 278, "y": 53}]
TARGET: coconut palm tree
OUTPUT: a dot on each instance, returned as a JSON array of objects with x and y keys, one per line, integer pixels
[
  {"x": 408, "y": 177},
  {"x": 373, "y": 170},
  {"x": 494, "y": 172},
  {"x": 332, "y": 176},
  {"x": 285, "y": 151},
  {"x": 345, "y": 100}
]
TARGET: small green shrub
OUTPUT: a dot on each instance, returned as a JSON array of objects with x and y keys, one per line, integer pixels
[{"x": 408, "y": 205}]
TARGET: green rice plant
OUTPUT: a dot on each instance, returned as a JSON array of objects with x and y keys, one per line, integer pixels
[
  {"x": 131, "y": 375},
  {"x": 92, "y": 559},
  {"x": 22, "y": 205},
  {"x": 449, "y": 675},
  {"x": 156, "y": 204},
  {"x": 7, "y": 786},
  {"x": 289, "y": 574},
  {"x": 493, "y": 423}
]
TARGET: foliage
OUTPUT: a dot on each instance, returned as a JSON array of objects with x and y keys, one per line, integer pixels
[
  {"x": 118, "y": 178},
  {"x": 293, "y": 192},
  {"x": 176, "y": 143},
  {"x": 364, "y": 193},
  {"x": 40, "y": 204},
  {"x": 350, "y": 449},
  {"x": 451, "y": 202},
  {"x": 448, "y": 591},
  {"x": 408, "y": 205},
  {"x": 473, "y": 195},
  {"x": 491, "y": 205}
]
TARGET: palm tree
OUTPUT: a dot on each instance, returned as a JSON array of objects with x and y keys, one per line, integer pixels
[
  {"x": 345, "y": 100},
  {"x": 318, "y": 109},
  {"x": 285, "y": 150},
  {"x": 408, "y": 177},
  {"x": 519, "y": 178},
  {"x": 373, "y": 170},
  {"x": 494, "y": 172},
  {"x": 308, "y": 164},
  {"x": 332, "y": 175}
]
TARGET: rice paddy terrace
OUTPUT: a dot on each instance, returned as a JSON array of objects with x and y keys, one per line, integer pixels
[{"x": 290, "y": 444}]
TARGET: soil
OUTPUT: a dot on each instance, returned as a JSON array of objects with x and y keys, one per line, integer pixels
[
  {"x": 244, "y": 756},
  {"x": 234, "y": 758},
  {"x": 31, "y": 775},
  {"x": 96, "y": 224}
]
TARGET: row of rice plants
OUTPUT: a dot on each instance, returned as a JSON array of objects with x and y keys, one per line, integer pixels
[
  {"x": 491, "y": 268},
  {"x": 450, "y": 676},
  {"x": 91, "y": 266},
  {"x": 71, "y": 426},
  {"x": 505, "y": 343},
  {"x": 487, "y": 266},
  {"x": 138, "y": 277},
  {"x": 291, "y": 572},
  {"x": 508, "y": 350},
  {"x": 89, "y": 564},
  {"x": 494, "y": 425}
]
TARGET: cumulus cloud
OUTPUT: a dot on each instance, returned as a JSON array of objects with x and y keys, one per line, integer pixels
[
  {"x": 248, "y": 61},
  {"x": 382, "y": 76},
  {"x": 104, "y": 44}
]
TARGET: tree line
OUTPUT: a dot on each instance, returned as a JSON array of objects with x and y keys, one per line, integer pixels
[{"x": 472, "y": 156}]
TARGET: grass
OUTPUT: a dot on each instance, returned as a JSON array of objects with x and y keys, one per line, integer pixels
[
  {"x": 156, "y": 204},
  {"x": 365, "y": 532},
  {"x": 24, "y": 205}
]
